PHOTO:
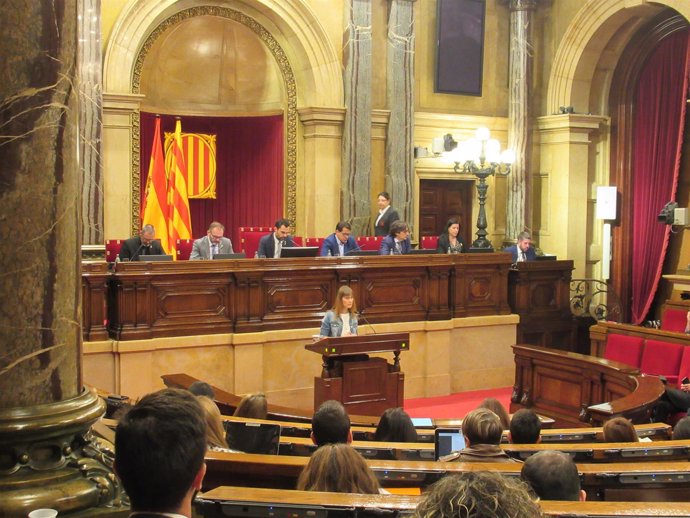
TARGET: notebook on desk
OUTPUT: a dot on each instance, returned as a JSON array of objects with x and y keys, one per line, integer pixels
[{"x": 260, "y": 438}]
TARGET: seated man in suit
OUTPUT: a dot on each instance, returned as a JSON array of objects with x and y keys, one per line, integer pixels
[
  {"x": 523, "y": 250},
  {"x": 212, "y": 244},
  {"x": 340, "y": 242},
  {"x": 330, "y": 424},
  {"x": 553, "y": 475},
  {"x": 398, "y": 241},
  {"x": 143, "y": 244},
  {"x": 271, "y": 244},
  {"x": 159, "y": 453}
]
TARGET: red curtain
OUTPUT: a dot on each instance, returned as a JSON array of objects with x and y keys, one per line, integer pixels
[
  {"x": 657, "y": 142},
  {"x": 249, "y": 174}
]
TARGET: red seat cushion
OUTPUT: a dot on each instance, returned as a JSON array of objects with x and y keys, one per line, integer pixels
[
  {"x": 674, "y": 320},
  {"x": 624, "y": 349},
  {"x": 184, "y": 249},
  {"x": 429, "y": 242},
  {"x": 249, "y": 239},
  {"x": 112, "y": 249},
  {"x": 369, "y": 242},
  {"x": 684, "y": 369},
  {"x": 313, "y": 241},
  {"x": 662, "y": 358}
]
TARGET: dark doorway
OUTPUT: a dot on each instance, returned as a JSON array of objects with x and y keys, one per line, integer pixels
[{"x": 440, "y": 200}]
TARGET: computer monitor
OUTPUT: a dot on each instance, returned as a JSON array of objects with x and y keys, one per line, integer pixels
[
  {"x": 364, "y": 252},
  {"x": 155, "y": 257},
  {"x": 240, "y": 255},
  {"x": 546, "y": 258},
  {"x": 248, "y": 437},
  {"x": 299, "y": 251},
  {"x": 448, "y": 440}
]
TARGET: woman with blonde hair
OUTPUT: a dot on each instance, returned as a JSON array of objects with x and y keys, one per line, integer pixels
[
  {"x": 253, "y": 406},
  {"x": 215, "y": 433},
  {"x": 338, "y": 468},
  {"x": 342, "y": 319}
]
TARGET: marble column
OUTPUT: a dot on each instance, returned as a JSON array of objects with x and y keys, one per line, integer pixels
[
  {"x": 90, "y": 120},
  {"x": 356, "y": 165},
  {"x": 45, "y": 414},
  {"x": 400, "y": 95},
  {"x": 518, "y": 213}
]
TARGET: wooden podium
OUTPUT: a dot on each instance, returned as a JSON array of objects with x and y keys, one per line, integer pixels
[{"x": 364, "y": 385}]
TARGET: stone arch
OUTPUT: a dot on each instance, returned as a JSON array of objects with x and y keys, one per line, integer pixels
[{"x": 595, "y": 25}]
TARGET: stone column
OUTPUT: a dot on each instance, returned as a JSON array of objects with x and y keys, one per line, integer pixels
[
  {"x": 44, "y": 412},
  {"x": 90, "y": 121},
  {"x": 400, "y": 95},
  {"x": 518, "y": 214},
  {"x": 356, "y": 169}
]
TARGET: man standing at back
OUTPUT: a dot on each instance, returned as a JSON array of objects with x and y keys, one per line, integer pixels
[
  {"x": 330, "y": 424},
  {"x": 212, "y": 244},
  {"x": 271, "y": 245},
  {"x": 159, "y": 453}
]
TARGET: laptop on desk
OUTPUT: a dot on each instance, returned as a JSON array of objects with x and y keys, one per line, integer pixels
[
  {"x": 262, "y": 438},
  {"x": 155, "y": 257},
  {"x": 240, "y": 255},
  {"x": 299, "y": 251}
]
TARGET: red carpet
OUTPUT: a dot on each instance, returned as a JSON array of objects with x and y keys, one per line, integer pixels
[{"x": 455, "y": 405}]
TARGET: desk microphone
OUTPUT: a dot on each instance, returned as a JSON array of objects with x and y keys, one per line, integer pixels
[
  {"x": 358, "y": 249},
  {"x": 361, "y": 315},
  {"x": 137, "y": 253}
]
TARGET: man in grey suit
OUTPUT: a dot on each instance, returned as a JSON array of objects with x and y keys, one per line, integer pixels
[{"x": 212, "y": 244}]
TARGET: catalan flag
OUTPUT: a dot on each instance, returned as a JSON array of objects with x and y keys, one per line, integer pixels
[
  {"x": 155, "y": 209},
  {"x": 179, "y": 218}
]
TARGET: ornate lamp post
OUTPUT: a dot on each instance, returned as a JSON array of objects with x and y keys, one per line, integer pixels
[{"x": 482, "y": 157}]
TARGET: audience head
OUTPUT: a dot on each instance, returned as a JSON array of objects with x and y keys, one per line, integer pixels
[
  {"x": 344, "y": 301},
  {"x": 524, "y": 241},
  {"x": 215, "y": 231},
  {"x": 282, "y": 229},
  {"x": 553, "y": 475},
  {"x": 395, "y": 426},
  {"x": 159, "y": 451},
  {"x": 201, "y": 388},
  {"x": 453, "y": 227},
  {"x": 399, "y": 230},
  {"x": 215, "y": 432},
  {"x": 525, "y": 427},
  {"x": 497, "y": 408},
  {"x": 383, "y": 200},
  {"x": 619, "y": 429},
  {"x": 482, "y": 426},
  {"x": 478, "y": 494},
  {"x": 682, "y": 429},
  {"x": 330, "y": 424},
  {"x": 147, "y": 234},
  {"x": 254, "y": 406},
  {"x": 338, "y": 468}
]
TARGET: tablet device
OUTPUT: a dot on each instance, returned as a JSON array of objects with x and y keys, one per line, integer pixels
[
  {"x": 422, "y": 422},
  {"x": 447, "y": 440}
]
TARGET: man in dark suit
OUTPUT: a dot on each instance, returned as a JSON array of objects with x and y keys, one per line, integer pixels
[
  {"x": 212, "y": 244},
  {"x": 387, "y": 215},
  {"x": 523, "y": 250},
  {"x": 340, "y": 242},
  {"x": 271, "y": 245},
  {"x": 144, "y": 244},
  {"x": 398, "y": 241},
  {"x": 159, "y": 453}
]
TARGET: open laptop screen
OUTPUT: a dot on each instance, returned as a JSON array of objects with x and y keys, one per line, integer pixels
[{"x": 261, "y": 438}]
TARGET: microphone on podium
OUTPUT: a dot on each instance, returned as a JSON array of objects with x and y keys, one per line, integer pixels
[
  {"x": 358, "y": 249},
  {"x": 364, "y": 319}
]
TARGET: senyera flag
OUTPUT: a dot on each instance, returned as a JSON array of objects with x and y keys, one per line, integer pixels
[
  {"x": 155, "y": 210},
  {"x": 179, "y": 219}
]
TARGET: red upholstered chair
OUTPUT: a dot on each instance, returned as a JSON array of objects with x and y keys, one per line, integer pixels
[
  {"x": 674, "y": 320},
  {"x": 662, "y": 358},
  {"x": 429, "y": 242},
  {"x": 313, "y": 241},
  {"x": 184, "y": 249},
  {"x": 299, "y": 240},
  {"x": 112, "y": 249},
  {"x": 249, "y": 239},
  {"x": 624, "y": 349},
  {"x": 369, "y": 242}
]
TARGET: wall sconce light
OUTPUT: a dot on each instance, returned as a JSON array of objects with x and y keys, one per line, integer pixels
[{"x": 482, "y": 157}]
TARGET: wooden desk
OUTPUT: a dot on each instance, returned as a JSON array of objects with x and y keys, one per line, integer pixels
[{"x": 94, "y": 288}]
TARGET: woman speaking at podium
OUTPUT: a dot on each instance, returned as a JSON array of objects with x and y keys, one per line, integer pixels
[{"x": 342, "y": 319}]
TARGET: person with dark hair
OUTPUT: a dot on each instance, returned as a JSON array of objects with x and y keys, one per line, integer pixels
[
  {"x": 525, "y": 427},
  {"x": 213, "y": 243},
  {"x": 478, "y": 494},
  {"x": 387, "y": 215},
  {"x": 272, "y": 244},
  {"x": 159, "y": 452},
  {"x": 681, "y": 430},
  {"x": 451, "y": 242},
  {"x": 523, "y": 249},
  {"x": 254, "y": 406},
  {"x": 340, "y": 242},
  {"x": 330, "y": 424},
  {"x": 553, "y": 475},
  {"x": 497, "y": 408},
  {"x": 342, "y": 319},
  {"x": 619, "y": 429},
  {"x": 395, "y": 426},
  {"x": 398, "y": 240},
  {"x": 482, "y": 431},
  {"x": 338, "y": 468},
  {"x": 144, "y": 244},
  {"x": 672, "y": 401},
  {"x": 201, "y": 388}
]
